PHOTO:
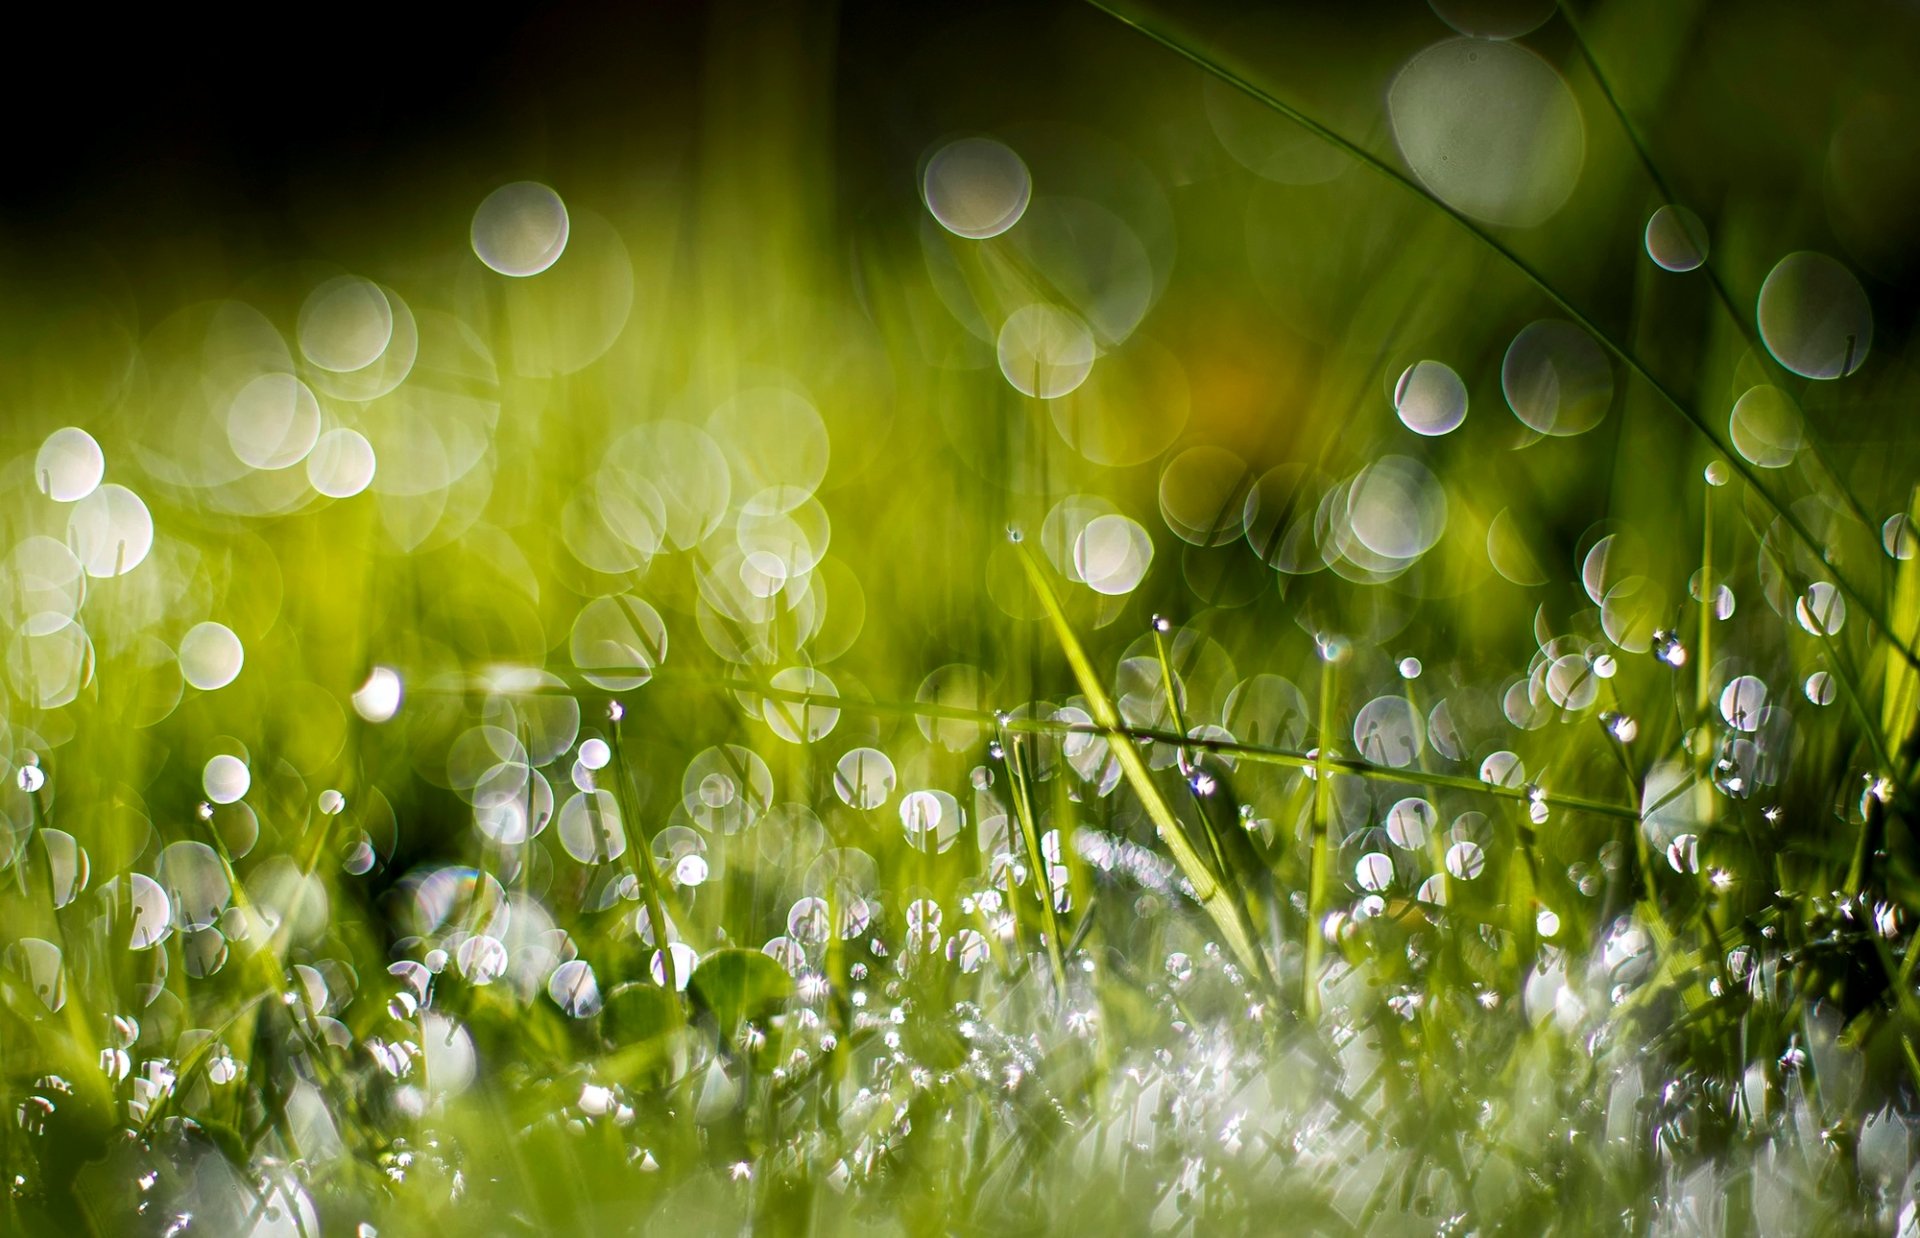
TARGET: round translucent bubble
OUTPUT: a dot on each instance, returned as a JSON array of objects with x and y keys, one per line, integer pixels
[
  {"x": 1389, "y": 731},
  {"x": 1632, "y": 611},
  {"x": 1465, "y": 860},
  {"x": 69, "y": 465},
  {"x": 50, "y": 660},
  {"x": 1374, "y": 871},
  {"x": 1503, "y": 769},
  {"x": 1409, "y": 822},
  {"x": 110, "y": 531},
  {"x": 225, "y": 779},
  {"x": 481, "y": 959},
  {"x": 590, "y": 827},
  {"x": 1821, "y": 610},
  {"x": 1044, "y": 351},
  {"x": 864, "y": 778},
  {"x": 1814, "y": 316},
  {"x": 1112, "y": 555},
  {"x": 1765, "y": 427},
  {"x": 1490, "y": 128},
  {"x": 1669, "y": 802},
  {"x": 1203, "y": 495},
  {"x": 378, "y": 699},
  {"x": 210, "y": 656},
  {"x": 790, "y": 954},
  {"x": 1493, "y": 19},
  {"x": 802, "y": 721},
  {"x": 150, "y": 913},
  {"x": 932, "y": 819},
  {"x": 1396, "y": 508},
  {"x": 1610, "y": 560},
  {"x": 520, "y": 229},
  {"x": 809, "y": 920},
  {"x": 1676, "y": 239},
  {"x": 968, "y": 950},
  {"x": 341, "y": 463},
  {"x": 1130, "y": 409},
  {"x": 1820, "y": 688},
  {"x": 42, "y": 578},
  {"x": 1430, "y": 398},
  {"x": 39, "y": 962},
  {"x": 1410, "y": 668},
  {"x": 1571, "y": 683},
  {"x": 976, "y": 188},
  {"x": 345, "y": 324},
  {"x": 512, "y": 803},
  {"x": 777, "y": 445},
  {"x": 273, "y": 422},
  {"x": 684, "y": 961},
  {"x": 726, "y": 789},
  {"x": 1267, "y": 710},
  {"x": 1091, "y": 261},
  {"x": 1741, "y": 702},
  {"x": 203, "y": 952},
  {"x": 1509, "y": 552},
  {"x": 574, "y": 988},
  {"x": 617, "y": 642},
  {"x": 196, "y": 881},
  {"x": 1556, "y": 379},
  {"x": 594, "y": 753},
  {"x": 1898, "y": 537}
]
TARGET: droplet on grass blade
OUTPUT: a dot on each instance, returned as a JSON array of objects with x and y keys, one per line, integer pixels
[{"x": 1821, "y": 610}]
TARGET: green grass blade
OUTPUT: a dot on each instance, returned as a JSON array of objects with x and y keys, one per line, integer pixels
[{"x": 1228, "y": 914}]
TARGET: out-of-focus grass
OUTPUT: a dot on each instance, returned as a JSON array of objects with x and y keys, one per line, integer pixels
[{"x": 842, "y": 710}]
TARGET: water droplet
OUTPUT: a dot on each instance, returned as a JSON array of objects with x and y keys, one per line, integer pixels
[
  {"x": 1814, "y": 316},
  {"x": 1430, "y": 399},
  {"x": 1676, "y": 239},
  {"x": 520, "y": 229},
  {"x": 1821, "y": 610},
  {"x": 378, "y": 699},
  {"x": 976, "y": 188},
  {"x": 69, "y": 465},
  {"x": 1556, "y": 378}
]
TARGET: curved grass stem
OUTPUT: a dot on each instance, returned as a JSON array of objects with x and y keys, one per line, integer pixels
[{"x": 1607, "y": 339}]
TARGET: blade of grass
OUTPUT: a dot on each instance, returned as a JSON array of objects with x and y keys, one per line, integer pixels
[
  {"x": 1228, "y": 914},
  {"x": 1605, "y": 338}
]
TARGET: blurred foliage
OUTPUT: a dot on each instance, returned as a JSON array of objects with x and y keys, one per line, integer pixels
[{"x": 953, "y": 619}]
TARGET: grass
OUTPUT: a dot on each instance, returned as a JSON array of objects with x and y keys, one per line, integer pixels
[{"x": 963, "y": 822}]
